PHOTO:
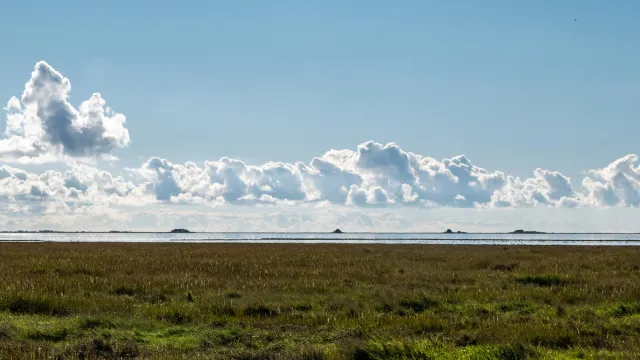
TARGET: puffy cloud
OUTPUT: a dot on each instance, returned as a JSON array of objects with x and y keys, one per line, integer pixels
[
  {"x": 372, "y": 176},
  {"x": 79, "y": 187},
  {"x": 545, "y": 188},
  {"x": 616, "y": 184},
  {"x": 226, "y": 180},
  {"x": 43, "y": 126},
  {"x": 373, "y": 196}
]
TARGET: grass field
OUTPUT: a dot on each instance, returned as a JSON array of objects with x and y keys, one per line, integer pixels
[{"x": 226, "y": 301}]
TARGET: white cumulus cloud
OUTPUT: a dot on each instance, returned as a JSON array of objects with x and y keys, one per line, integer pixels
[
  {"x": 616, "y": 184},
  {"x": 42, "y": 126},
  {"x": 371, "y": 176}
]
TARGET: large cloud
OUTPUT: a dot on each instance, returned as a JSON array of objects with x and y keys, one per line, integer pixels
[
  {"x": 372, "y": 188},
  {"x": 371, "y": 176},
  {"x": 43, "y": 126},
  {"x": 377, "y": 175}
]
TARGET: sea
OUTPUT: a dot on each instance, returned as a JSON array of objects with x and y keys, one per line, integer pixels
[{"x": 559, "y": 239}]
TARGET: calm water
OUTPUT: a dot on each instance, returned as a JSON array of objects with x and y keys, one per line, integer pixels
[{"x": 353, "y": 238}]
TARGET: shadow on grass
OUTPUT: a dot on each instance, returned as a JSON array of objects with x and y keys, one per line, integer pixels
[{"x": 24, "y": 305}]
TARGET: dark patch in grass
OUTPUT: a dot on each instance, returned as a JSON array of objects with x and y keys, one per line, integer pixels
[
  {"x": 351, "y": 334},
  {"x": 626, "y": 310},
  {"x": 523, "y": 308},
  {"x": 505, "y": 267},
  {"x": 90, "y": 324},
  {"x": 515, "y": 352},
  {"x": 101, "y": 349},
  {"x": 419, "y": 305},
  {"x": 78, "y": 271},
  {"x": 95, "y": 323},
  {"x": 303, "y": 307},
  {"x": 33, "y": 306},
  {"x": 218, "y": 324},
  {"x": 483, "y": 311},
  {"x": 129, "y": 351},
  {"x": 430, "y": 325},
  {"x": 561, "y": 340},
  {"x": 156, "y": 297},
  {"x": 6, "y": 331},
  {"x": 229, "y": 336},
  {"x": 392, "y": 350},
  {"x": 234, "y": 295},
  {"x": 466, "y": 340},
  {"x": 172, "y": 332},
  {"x": 245, "y": 354},
  {"x": 352, "y": 313},
  {"x": 124, "y": 290},
  {"x": 223, "y": 310},
  {"x": 259, "y": 311},
  {"x": 385, "y": 308},
  {"x": 72, "y": 271},
  {"x": 541, "y": 280},
  {"x": 176, "y": 317},
  {"x": 308, "y": 353},
  {"x": 55, "y": 335}
]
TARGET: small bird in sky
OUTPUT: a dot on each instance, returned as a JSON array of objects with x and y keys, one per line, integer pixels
[{"x": 575, "y": 20}]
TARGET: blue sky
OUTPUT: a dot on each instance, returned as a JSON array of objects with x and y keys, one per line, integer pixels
[{"x": 513, "y": 85}]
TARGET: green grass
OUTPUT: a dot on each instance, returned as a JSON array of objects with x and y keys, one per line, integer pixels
[{"x": 305, "y": 302}]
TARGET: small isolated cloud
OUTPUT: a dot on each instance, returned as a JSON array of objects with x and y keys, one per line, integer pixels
[{"x": 42, "y": 126}]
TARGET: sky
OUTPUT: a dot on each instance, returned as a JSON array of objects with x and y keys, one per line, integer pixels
[{"x": 306, "y": 116}]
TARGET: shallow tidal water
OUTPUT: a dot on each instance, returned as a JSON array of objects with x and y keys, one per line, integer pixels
[{"x": 581, "y": 239}]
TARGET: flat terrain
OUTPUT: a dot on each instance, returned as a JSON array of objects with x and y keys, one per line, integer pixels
[{"x": 243, "y": 301}]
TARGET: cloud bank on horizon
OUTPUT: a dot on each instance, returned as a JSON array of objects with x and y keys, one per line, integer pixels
[{"x": 42, "y": 126}]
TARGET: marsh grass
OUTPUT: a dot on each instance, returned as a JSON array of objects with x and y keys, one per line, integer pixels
[
  {"x": 311, "y": 302},
  {"x": 542, "y": 280}
]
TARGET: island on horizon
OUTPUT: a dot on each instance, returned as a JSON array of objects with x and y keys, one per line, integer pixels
[
  {"x": 520, "y": 231},
  {"x": 449, "y": 231}
]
